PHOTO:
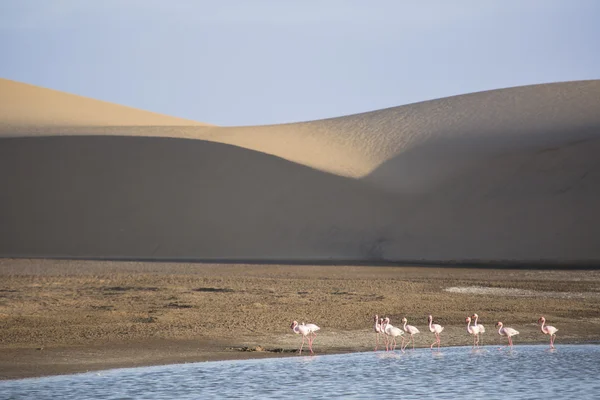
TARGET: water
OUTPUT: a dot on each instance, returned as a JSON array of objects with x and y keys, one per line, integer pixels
[{"x": 572, "y": 371}]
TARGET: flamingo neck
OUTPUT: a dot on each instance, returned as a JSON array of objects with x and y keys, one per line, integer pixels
[
  {"x": 405, "y": 325},
  {"x": 475, "y": 322},
  {"x": 469, "y": 327},
  {"x": 430, "y": 322},
  {"x": 543, "y": 328},
  {"x": 501, "y": 330}
]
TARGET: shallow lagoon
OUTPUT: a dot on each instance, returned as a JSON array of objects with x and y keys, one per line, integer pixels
[{"x": 523, "y": 373}]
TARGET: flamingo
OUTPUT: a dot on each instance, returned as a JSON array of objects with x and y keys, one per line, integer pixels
[
  {"x": 508, "y": 332},
  {"x": 473, "y": 330},
  {"x": 548, "y": 330},
  {"x": 385, "y": 335},
  {"x": 378, "y": 331},
  {"x": 436, "y": 330},
  {"x": 394, "y": 332},
  {"x": 480, "y": 327},
  {"x": 411, "y": 330},
  {"x": 307, "y": 331}
]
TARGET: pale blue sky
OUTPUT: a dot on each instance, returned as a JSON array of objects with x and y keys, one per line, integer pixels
[{"x": 249, "y": 62}]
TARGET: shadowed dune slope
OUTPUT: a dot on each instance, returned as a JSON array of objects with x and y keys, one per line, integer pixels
[
  {"x": 510, "y": 175},
  {"x": 178, "y": 198}
]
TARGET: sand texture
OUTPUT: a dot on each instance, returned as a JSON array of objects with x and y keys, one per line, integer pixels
[
  {"x": 505, "y": 176},
  {"x": 71, "y": 316}
]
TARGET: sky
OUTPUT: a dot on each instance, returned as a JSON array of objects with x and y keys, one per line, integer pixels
[{"x": 242, "y": 62}]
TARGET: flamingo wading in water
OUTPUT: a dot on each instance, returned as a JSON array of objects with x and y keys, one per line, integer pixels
[
  {"x": 393, "y": 332},
  {"x": 480, "y": 328},
  {"x": 411, "y": 330},
  {"x": 436, "y": 330},
  {"x": 308, "y": 331},
  {"x": 548, "y": 330},
  {"x": 506, "y": 331},
  {"x": 473, "y": 330}
]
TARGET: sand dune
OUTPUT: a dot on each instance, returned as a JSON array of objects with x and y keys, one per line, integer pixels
[
  {"x": 28, "y": 107},
  {"x": 506, "y": 175}
]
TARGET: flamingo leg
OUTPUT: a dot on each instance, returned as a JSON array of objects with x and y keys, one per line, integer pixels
[
  {"x": 302, "y": 345},
  {"x": 394, "y": 344},
  {"x": 409, "y": 340},
  {"x": 311, "y": 340},
  {"x": 376, "y": 341},
  {"x": 439, "y": 340}
]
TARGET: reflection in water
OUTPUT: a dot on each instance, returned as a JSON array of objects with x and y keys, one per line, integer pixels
[{"x": 523, "y": 373}]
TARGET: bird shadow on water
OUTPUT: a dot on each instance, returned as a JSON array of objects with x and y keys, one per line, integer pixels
[
  {"x": 478, "y": 352},
  {"x": 511, "y": 353},
  {"x": 307, "y": 359},
  {"x": 389, "y": 355}
]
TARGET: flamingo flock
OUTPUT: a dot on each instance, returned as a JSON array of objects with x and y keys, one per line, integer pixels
[{"x": 385, "y": 331}]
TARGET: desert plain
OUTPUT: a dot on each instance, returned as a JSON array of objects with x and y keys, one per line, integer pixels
[{"x": 59, "y": 316}]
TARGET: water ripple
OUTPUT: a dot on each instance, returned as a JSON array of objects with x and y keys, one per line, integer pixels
[{"x": 524, "y": 373}]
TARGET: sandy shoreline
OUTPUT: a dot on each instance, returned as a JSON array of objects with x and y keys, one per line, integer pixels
[{"x": 59, "y": 317}]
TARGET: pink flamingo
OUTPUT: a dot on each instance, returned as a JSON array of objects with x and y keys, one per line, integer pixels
[
  {"x": 548, "y": 330},
  {"x": 307, "y": 331},
  {"x": 481, "y": 328},
  {"x": 385, "y": 335},
  {"x": 411, "y": 330},
  {"x": 378, "y": 331},
  {"x": 436, "y": 330},
  {"x": 394, "y": 332},
  {"x": 473, "y": 330},
  {"x": 508, "y": 332}
]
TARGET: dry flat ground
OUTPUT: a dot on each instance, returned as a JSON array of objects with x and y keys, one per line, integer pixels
[{"x": 72, "y": 316}]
